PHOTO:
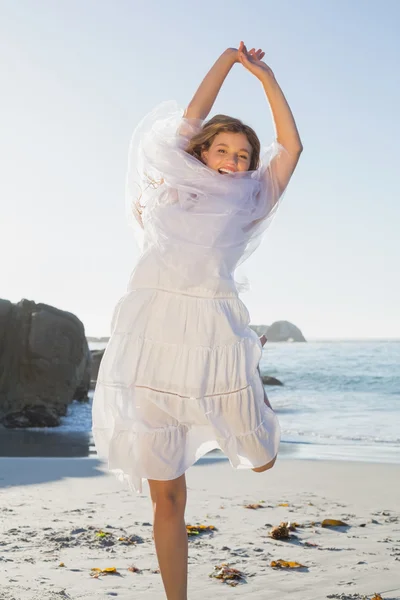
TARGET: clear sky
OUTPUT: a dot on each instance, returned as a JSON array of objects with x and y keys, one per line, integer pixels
[{"x": 78, "y": 75}]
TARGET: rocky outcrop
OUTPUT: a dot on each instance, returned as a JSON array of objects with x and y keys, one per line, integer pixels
[
  {"x": 44, "y": 363},
  {"x": 283, "y": 331},
  {"x": 97, "y": 355},
  {"x": 259, "y": 329},
  {"x": 269, "y": 380},
  {"x": 280, "y": 331}
]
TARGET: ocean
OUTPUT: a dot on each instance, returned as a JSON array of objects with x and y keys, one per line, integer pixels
[{"x": 340, "y": 400}]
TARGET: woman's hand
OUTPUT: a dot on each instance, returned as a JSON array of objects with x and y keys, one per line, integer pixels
[{"x": 251, "y": 60}]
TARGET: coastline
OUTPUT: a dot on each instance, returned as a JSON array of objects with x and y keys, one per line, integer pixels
[{"x": 79, "y": 444}]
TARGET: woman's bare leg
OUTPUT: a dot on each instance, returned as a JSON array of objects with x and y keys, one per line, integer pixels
[{"x": 170, "y": 535}]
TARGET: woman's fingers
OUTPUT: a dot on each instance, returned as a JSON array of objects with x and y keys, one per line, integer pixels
[
  {"x": 246, "y": 57},
  {"x": 242, "y": 44},
  {"x": 253, "y": 53}
]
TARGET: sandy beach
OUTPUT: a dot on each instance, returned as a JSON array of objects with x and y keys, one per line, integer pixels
[{"x": 63, "y": 517}]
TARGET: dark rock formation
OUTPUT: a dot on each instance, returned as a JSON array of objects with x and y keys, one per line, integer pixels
[
  {"x": 283, "y": 331},
  {"x": 268, "y": 380},
  {"x": 44, "y": 363},
  {"x": 97, "y": 355},
  {"x": 280, "y": 331}
]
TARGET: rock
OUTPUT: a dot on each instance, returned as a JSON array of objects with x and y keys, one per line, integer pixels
[
  {"x": 33, "y": 416},
  {"x": 96, "y": 356},
  {"x": 259, "y": 329},
  {"x": 279, "y": 331},
  {"x": 268, "y": 380},
  {"x": 81, "y": 392},
  {"x": 283, "y": 331},
  {"x": 45, "y": 363}
]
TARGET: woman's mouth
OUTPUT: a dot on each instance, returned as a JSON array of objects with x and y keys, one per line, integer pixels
[{"x": 226, "y": 171}]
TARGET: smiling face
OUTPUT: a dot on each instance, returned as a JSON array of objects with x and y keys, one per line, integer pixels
[{"x": 229, "y": 152}]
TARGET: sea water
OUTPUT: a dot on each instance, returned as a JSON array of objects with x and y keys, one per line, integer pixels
[{"x": 339, "y": 399}]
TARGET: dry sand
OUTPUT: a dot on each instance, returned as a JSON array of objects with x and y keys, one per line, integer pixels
[{"x": 52, "y": 509}]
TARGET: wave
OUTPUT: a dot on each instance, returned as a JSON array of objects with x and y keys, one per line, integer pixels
[{"x": 327, "y": 439}]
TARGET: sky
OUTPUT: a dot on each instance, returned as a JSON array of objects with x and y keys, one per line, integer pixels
[{"x": 77, "y": 76}]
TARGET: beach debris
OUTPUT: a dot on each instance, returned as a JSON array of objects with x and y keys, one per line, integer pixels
[
  {"x": 126, "y": 540},
  {"x": 284, "y": 504},
  {"x": 354, "y": 597},
  {"x": 61, "y": 564},
  {"x": 333, "y": 523},
  {"x": 198, "y": 529},
  {"x": 254, "y": 506},
  {"x": 132, "y": 539},
  {"x": 133, "y": 569},
  {"x": 282, "y": 531},
  {"x": 102, "y": 534},
  {"x": 228, "y": 574},
  {"x": 286, "y": 564},
  {"x": 96, "y": 572}
]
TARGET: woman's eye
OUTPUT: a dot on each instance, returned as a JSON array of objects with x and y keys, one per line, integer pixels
[{"x": 240, "y": 156}]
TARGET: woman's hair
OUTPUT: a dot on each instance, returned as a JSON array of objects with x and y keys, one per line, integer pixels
[
  {"x": 203, "y": 140},
  {"x": 218, "y": 124}
]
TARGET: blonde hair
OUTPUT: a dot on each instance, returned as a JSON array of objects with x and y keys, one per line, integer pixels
[{"x": 218, "y": 124}]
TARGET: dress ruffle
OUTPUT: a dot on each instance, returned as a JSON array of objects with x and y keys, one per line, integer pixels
[
  {"x": 173, "y": 432},
  {"x": 185, "y": 345},
  {"x": 178, "y": 379}
]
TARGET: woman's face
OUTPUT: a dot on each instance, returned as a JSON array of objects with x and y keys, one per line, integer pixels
[{"x": 229, "y": 152}]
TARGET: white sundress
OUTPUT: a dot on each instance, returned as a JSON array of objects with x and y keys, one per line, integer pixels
[{"x": 179, "y": 374}]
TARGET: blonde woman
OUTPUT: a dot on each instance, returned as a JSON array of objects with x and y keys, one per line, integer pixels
[{"x": 180, "y": 376}]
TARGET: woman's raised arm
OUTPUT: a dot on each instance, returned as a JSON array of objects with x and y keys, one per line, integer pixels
[
  {"x": 283, "y": 165},
  {"x": 203, "y": 100}
]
